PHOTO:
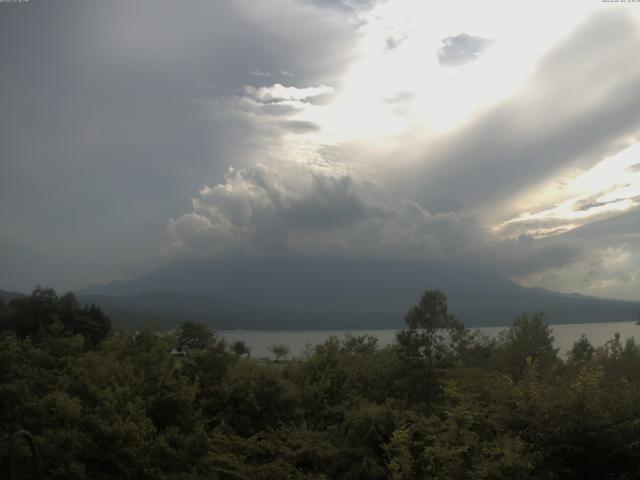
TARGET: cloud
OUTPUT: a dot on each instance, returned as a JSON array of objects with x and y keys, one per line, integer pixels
[
  {"x": 300, "y": 126},
  {"x": 257, "y": 211},
  {"x": 255, "y": 125},
  {"x": 612, "y": 271},
  {"x": 259, "y": 73},
  {"x": 261, "y": 211},
  {"x": 576, "y": 109},
  {"x": 607, "y": 263},
  {"x": 103, "y": 143},
  {"x": 279, "y": 108},
  {"x": 279, "y": 93},
  {"x": 394, "y": 41},
  {"x": 525, "y": 255},
  {"x": 612, "y": 187},
  {"x": 401, "y": 97},
  {"x": 461, "y": 49},
  {"x": 348, "y": 5}
]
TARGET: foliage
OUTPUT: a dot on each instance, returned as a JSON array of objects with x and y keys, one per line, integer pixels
[
  {"x": 186, "y": 405},
  {"x": 240, "y": 348},
  {"x": 527, "y": 341},
  {"x": 279, "y": 351},
  {"x": 582, "y": 350},
  {"x": 192, "y": 337},
  {"x": 432, "y": 336},
  {"x": 44, "y": 315}
]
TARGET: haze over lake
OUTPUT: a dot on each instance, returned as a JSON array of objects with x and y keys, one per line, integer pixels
[{"x": 297, "y": 341}]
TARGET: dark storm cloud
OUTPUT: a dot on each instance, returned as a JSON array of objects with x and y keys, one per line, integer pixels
[
  {"x": 524, "y": 254},
  {"x": 108, "y": 125},
  {"x": 461, "y": 49},
  {"x": 580, "y": 106}
]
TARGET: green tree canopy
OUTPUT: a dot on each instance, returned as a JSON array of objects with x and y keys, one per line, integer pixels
[
  {"x": 43, "y": 314},
  {"x": 430, "y": 337},
  {"x": 527, "y": 341},
  {"x": 279, "y": 351},
  {"x": 193, "y": 336},
  {"x": 240, "y": 348},
  {"x": 431, "y": 329},
  {"x": 582, "y": 350}
]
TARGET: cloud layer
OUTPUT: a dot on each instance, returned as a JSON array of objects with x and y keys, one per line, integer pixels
[
  {"x": 114, "y": 113},
  {"x": 259, "y": 211},
  {"x": 352, "y": 127},
  {"x": 577, "y": 109}
]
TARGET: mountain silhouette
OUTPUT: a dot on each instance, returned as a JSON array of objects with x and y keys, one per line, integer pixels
[{"x": 316, "y": 293}]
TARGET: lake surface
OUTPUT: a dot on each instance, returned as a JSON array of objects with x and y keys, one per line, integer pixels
[{"x": 297, "y": 341}]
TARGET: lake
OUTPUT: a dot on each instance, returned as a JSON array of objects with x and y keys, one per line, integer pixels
[{"x": 564, "y": 336}]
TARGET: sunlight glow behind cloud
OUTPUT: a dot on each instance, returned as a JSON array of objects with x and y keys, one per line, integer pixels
[
  {"x": 442, "y": 98},
  {"x": 398, "y": 99},
  {"x": 611, "y": 187}
]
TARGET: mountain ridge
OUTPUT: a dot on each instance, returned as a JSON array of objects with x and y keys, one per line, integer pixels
[{"x": 317, "y": 293}]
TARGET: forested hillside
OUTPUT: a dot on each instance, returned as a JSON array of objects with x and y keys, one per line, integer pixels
[{"x": 442, "y": 402}]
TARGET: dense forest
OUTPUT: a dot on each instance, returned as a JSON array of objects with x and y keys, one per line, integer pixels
[{"x": 442, "y": 402}]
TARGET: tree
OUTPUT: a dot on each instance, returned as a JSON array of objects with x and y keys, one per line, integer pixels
[
  {"x": 430, "y": 326},
  {"x": 91, "y": 323},
  {"x": 613, "y": 348},
  {"x": 279, "y": 351},
  {"x": 31, "y": 316},
  {"x": 527, "y": 342},
  {"x": 240, "y": 348},
  {"x": 582, "y": 350},
  {"x": 359, "y": 344},
  {"x": 429, "y": 338},
  {"x": 43, "y": 314},
  {"x": 193, "y": 336}
]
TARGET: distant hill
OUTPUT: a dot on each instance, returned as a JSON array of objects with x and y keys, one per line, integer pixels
[
  {"x": 168, "y": 309},
  {"x": 7, "y": 296},
  {"x": 317, "y": 293}
]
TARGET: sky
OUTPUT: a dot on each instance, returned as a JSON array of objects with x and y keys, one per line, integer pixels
[{"x": 502, "y": 134}]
